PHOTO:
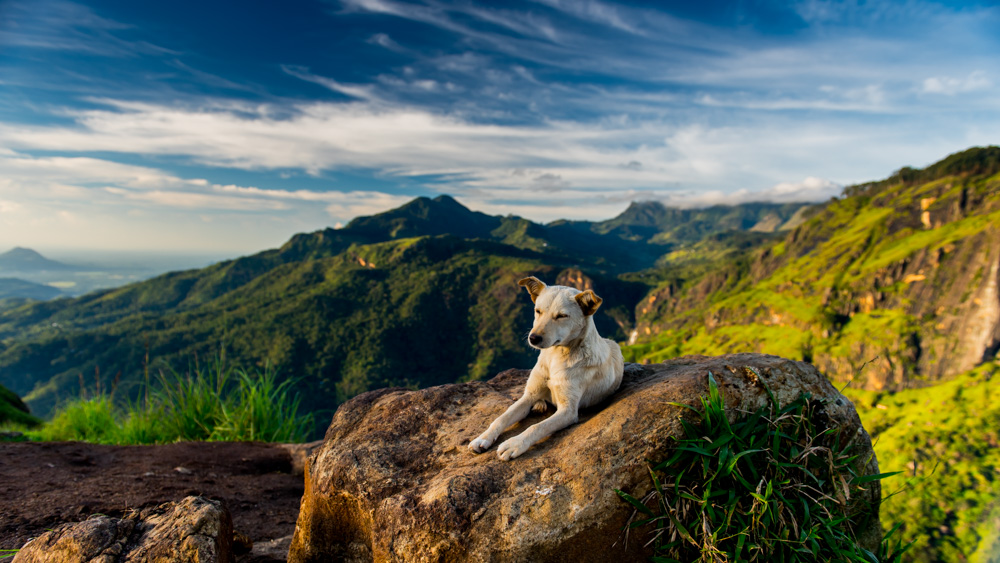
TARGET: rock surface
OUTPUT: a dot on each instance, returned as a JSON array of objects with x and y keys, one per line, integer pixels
[
  {"x": 192, "y": 530},
  {"x": 395, "y": 481}
]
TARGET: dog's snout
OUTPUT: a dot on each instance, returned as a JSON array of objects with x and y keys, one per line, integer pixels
[{"x": 534, "y": 339}]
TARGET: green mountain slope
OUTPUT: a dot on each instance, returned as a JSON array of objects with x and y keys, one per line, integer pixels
[
  {"x": 896, "y": 282},
  {"x": 946, "y": 440},
  {"x": 368, "y": 318},
  {"x": 20, "y": 289},
  {"x": 412, "y": 312}
]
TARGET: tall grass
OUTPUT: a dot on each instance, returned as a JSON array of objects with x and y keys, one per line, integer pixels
[
  {"x": 218, "y": 403},
  {"x": 772, "y": 486}
]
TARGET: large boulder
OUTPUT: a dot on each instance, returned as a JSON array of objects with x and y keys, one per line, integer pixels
[
  {"x": 395, "y": 480},
  {"x": 195, "y": 530}
]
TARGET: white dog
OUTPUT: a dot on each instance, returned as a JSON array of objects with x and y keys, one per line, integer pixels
[{"x": 576, "y": 368}]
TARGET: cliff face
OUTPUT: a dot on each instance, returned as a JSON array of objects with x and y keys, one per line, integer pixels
[{"x": 895, "y": 282}]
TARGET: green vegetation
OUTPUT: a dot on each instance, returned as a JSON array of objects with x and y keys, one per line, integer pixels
[
  {"x": 947, "y": 440},
  {"x": 13, "y": 412},
  {"x": 773, "y": 485},
  {"x": 218, "y": 403}
]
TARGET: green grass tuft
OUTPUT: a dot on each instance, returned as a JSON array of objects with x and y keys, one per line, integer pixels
[
  {"x": 773, "y": 485},
  {"x": 218, "y": 403}
]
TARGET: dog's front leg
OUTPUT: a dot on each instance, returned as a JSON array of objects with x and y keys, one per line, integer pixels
[
  {"x": 513, "y": 447},
  {"x": 515, "y": 413}
]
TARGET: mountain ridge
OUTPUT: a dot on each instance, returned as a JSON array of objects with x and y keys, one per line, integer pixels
[{"x": 342, "y": 283}]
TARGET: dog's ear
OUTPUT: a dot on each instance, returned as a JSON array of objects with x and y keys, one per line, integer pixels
[
  {"x": 533, "y": 285},
  {"x": 589, "y": 302}
]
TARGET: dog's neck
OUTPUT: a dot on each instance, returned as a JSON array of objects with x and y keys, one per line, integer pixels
[{"x": 584, "y": 349}]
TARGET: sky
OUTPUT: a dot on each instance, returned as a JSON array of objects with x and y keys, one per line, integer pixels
[{"x": 227, "y": 127}]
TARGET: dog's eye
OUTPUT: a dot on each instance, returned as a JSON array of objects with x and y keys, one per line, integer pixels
[
  {"x": 561, "y": 316},
  {"x": 538, "y": 311}
]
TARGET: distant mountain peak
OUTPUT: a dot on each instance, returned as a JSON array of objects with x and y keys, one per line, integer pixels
[
  {"x": 27, "y": 260},
  {"x": 445, "y": 198},
  {"x": 441, "y": 202},
  {"x": 22, "y": 253}
]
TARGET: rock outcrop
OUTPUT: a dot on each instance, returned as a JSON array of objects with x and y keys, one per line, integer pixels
[
  {"x": 395, "y": 480},
  {"x": 192, "y": 530}
]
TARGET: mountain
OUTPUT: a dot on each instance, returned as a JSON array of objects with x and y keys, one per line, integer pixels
[
  {"x": 18, "y": 288},
  {"x": 654, "y": 222},
  {"x": 419, "y": 295},
  {"x": 611, "y": 246},
  {"x": 893, "y": 285},
  {"x": 26, "y": 260}
]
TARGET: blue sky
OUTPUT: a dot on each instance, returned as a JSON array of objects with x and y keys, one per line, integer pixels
[{"x": 228, "y": 127}]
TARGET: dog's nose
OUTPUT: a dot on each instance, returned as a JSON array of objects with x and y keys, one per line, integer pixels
[{"x": 534, "y": 339}]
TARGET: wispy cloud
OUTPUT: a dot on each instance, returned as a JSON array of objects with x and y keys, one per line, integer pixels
[
  {"x": 350, "y": 90},
  {"x": 68, "y": 26},
  {"x": 597, "y": 12}
]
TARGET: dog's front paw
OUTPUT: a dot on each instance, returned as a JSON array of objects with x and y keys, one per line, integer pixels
[
  {"x": 540, "y": 406},
  {"x": 480, "y": 445},
  {"x": 512, "y": 448}
]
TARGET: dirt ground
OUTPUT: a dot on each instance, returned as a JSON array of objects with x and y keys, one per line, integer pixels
[{"x": 43, "y": 484}]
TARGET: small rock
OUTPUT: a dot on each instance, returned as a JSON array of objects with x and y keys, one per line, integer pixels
[
  {"x": 183, "y": 470},
  {"x": 194, "y": 529}
]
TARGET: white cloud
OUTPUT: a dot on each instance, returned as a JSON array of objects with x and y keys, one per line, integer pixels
[
  {"x": 809, "y": 189},
  {"x": 9, "y": 206},
  {"x": 950, "y": 86},
  {"x": 455, "y": 155},
  {"x": 93, "y": 203}
]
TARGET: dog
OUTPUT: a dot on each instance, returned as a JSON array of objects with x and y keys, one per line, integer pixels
[{"x": 576, "y": 367}]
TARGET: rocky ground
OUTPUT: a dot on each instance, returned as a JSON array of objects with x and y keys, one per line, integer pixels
[{"x": 45, "y": 484}]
